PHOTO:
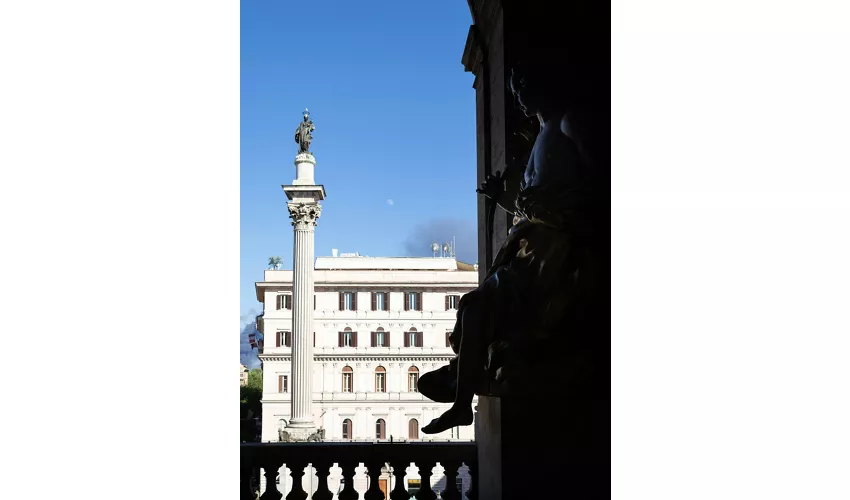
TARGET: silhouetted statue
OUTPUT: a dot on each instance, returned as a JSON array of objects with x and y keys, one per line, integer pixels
[
  {"x": 539, "y": 274},
  {"x": 304, "y": 133}
]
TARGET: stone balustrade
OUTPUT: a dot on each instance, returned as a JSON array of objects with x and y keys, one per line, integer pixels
[{"x": 375, "y": 456}]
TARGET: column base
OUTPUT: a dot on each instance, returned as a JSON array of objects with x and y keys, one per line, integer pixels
[
  {"x": 302, "y": 434},
  {"x": 302, "y": 424}
]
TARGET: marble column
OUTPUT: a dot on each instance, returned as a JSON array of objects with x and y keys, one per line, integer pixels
[
  {"x": 304, "y": 217},
  {"x": 304, "y": 209}
]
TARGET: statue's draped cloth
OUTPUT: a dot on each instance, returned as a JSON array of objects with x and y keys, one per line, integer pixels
[{"x": 537, "y": 283}]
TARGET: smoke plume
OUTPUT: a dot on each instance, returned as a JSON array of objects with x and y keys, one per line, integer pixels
[{"x": 418, "y": 242}]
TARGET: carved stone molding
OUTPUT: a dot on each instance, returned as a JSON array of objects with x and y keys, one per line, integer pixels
[
  {"x": 304, "y": 215},
  {"x": 473, "y": 56},
  {"x": 305, "y": 158}
]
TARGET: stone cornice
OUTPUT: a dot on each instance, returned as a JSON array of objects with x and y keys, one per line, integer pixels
[
  {"x": 363, "y": 358},
  {"x": 473, "y": 57},
  {"x": 381, "y": 284}
]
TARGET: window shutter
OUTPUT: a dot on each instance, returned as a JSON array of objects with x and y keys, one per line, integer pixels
[
  {"x": 314, "y": 339},
  {"x": 354, "y": 301},
  {"x": 419, "y": 337},
  {"x": 418, "y": 301},
  {"x": 374, "y": 301},
  {"x": 387, "y": 302},
  {"x": 374, "y": 339},
  {"x": 278, "y": 301},
  {"x": 280, "y": 383},
  {"x": 448, "y": 339},
  {"x": 340, "y": 339},
  {"x": 277, "y": 343},
  {"x": 341, "y": 301},
  {"x": 353, "y": 339},
  {"x": 447, "y": 302},
  {"x": 406, "y": 339},
  {"x": 406, "y": 301},
  {"x": 387, "y": 336},
  {"x": 288, "y": 339},
  {"x": 314, "y": 302}
]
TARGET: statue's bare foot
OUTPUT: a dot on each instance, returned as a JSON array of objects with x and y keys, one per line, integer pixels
[{"x": 453, "y": 417}]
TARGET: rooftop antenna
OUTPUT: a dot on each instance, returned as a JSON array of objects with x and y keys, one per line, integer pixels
[{"x": 435, "y": 247}]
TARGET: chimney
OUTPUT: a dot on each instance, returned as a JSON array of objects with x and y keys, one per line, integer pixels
[{"x": 335, "y": 252}]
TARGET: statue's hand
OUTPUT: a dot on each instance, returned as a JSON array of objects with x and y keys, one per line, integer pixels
[{"x": 493, "y": 186}]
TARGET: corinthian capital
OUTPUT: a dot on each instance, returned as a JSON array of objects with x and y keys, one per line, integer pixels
[{"x": 304, "y": 215}]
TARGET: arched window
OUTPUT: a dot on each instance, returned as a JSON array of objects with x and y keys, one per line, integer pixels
[
  {"x": 412, "y": 338},
  {"x": 381, "y": 429},
  {"x": 380, "y": 379},
  {"x": 413, "y": 379},
  {"x": 346, "y": 429},
  {"x": 347, "y": 338},
  {"x": 347, "y": 379},
  {"x": 413, "y": 429},
  {"x": 380, "y": 338}
]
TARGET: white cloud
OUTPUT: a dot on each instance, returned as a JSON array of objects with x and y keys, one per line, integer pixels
[{"x": 390, "y": 202}]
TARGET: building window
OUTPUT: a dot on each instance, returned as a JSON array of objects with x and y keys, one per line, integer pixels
[
  {"x": 284, "y": 301},
  {"x": 346, "y": 429},
  {"x": 380, "y": 379},
  {"x": 347, "y": 301},
  {"x": 452, "y": 301},
  {"x": 413, "y": 429},
  {"x": 412, "y": 338},
  {"x": 347, "y": 379},
  {"x": 282, "y": 383},
  {"x": 448, "y": 338},
  {"x": 347, "y": 338},
  {"x": 284, "y": 339},
  {"x": 380, "y": 338},
  {"x": 380, "y": 301},
  {"x": 413, "y": 379},
  {"x": 412, "y": 301},
  {"x": 381, "y": 429},
  {"x": 455, "y": 432}
]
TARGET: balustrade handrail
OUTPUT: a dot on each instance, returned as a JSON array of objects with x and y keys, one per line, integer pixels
[
  {"x": 348, "y": 456},
  {"x": 359, "y": 450}
]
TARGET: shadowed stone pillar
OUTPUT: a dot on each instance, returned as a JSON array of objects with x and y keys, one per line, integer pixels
[{"x": 529, "y": 446}]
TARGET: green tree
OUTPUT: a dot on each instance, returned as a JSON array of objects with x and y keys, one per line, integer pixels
[
  {"x": 251, "y": 394},
  {"x": 255, "y": 379}
]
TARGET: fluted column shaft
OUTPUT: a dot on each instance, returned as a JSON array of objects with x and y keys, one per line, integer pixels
[{"x": 304, "y": 217}]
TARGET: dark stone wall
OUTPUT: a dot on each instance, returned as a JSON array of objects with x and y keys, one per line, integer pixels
[{"x": 546, "y": 443}]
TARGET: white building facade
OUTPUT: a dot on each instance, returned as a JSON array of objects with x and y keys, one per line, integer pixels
[{"x": 379, "y": 323}]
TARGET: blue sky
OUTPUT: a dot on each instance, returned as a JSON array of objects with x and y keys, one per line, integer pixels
[{"x": 395, "y": 120}]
